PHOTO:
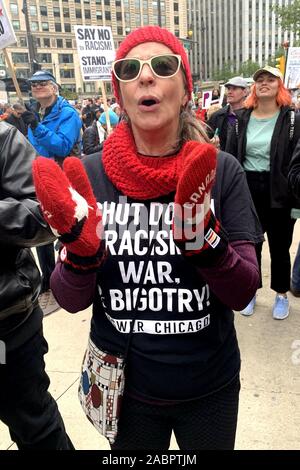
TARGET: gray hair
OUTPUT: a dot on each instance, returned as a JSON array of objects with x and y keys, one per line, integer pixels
[{"x": 56, "y": 88}]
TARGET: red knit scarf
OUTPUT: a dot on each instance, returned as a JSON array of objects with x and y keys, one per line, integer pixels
[{"x": 138, "y": 176}]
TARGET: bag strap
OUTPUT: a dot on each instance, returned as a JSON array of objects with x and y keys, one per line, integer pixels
[
  {"x": 292, "y": 125},
  {"x": 237, "y": 128},
  {"x": 135, "y": 313}
]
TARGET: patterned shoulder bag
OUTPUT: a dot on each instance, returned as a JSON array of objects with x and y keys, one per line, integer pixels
[{"x": 102, "y": 379}]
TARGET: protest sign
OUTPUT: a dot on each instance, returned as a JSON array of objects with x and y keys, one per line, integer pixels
[
  {"x": 96, "y": 51},
  {"x": 7, "y": 34},
  {"x": 292, "y": 70},
  {"x": 206, "y": 99},
  {"x": 222, "y": 94},
  {"x": 8, "y": 37}
]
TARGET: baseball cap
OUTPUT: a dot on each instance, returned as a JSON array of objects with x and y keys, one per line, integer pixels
[
  {"x": 272, "y": 70},
  {"x": 238, "y": 82},
  {"x": 42, "y": 76}
]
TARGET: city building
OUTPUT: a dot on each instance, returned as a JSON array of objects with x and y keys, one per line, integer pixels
[
  {"x": 51, "y": 27},
  {"x": 233, "y": 31}
]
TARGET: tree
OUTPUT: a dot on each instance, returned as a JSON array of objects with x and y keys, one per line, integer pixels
[
  {"x": 289, "y": 16},
  {"x": 68, "y": 94},
  {"x": 229, "y": 70},
  {"x": 225, "y": 73},
  {"x": 248, "y": 68}
]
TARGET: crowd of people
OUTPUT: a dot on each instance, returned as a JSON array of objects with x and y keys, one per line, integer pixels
[
  {"x": 156, "y": 215},
  {"x": 56, "y": 129}
]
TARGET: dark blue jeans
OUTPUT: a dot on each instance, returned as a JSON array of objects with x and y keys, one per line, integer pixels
[{"x": 26, "y": 406}]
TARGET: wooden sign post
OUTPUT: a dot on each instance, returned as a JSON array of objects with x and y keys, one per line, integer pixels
[
  {"x": 13, "y": 75},
  {"x": 103, "y": 91}
]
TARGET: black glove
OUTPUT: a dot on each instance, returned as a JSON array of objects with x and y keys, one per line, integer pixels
[{"x": 30, "y": 119}]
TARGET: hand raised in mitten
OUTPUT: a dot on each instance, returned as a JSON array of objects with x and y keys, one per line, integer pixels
[
  {"x": 195, "y": 228},
  {"x": 70, "y": 208}
]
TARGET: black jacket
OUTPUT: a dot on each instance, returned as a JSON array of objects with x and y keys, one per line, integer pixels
[
  {"x": 21, "y": 227},
  {"x": 89, "y": 114},
  {"x": 294, "y": 173},
  {"x": 18, "y": 123},
  {"x": 90, "y": 140},
  {"x": 219, "y": 120},
  {"x": 281, "y": 151}
]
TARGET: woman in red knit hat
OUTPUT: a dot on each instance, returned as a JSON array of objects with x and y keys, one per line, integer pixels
[{"x": 179, "y": 230}]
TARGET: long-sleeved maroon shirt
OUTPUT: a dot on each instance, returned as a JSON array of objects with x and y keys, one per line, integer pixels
[{"x": 74, "y": 292}]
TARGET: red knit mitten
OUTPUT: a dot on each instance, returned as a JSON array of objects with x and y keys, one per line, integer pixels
[
  {"x": 70, "y": 208},
  {"x": 196, "y": 231}
]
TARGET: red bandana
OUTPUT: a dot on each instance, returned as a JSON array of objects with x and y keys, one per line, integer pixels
[{"x": 138, "y": 176}]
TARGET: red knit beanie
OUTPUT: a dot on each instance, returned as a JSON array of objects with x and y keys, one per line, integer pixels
[{"x": 153, "y": 34}]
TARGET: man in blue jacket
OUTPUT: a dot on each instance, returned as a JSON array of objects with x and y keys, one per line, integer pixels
[
  {"x": 54, "y": 126},
  {"x": 54, "y": 130}
]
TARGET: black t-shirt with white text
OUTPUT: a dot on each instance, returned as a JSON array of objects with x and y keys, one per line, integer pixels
[{"x": 184, "y": 344}]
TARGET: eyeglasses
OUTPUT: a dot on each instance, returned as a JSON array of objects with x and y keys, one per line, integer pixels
[
  {"x": 163, "y": 66},
  {"x": 39, "y": 83}
]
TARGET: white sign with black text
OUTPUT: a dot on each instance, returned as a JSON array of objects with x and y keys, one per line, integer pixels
[
  {"x": 292, "y": 70},
  {"x": 96, "y": 51},
  {"x": 7, "y": 34}
]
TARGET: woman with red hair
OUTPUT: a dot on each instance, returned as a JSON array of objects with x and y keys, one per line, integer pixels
[{"x": 263, "y": 140}]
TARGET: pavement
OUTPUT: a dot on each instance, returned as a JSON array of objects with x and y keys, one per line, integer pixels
[{"x": 269, "y": 412}]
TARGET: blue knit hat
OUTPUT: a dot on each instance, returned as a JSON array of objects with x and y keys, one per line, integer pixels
[{"x": 114, "y": 119}]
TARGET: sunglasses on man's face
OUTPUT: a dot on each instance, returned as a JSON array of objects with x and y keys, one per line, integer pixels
[
  {"x": 163, "y": 66},
  {"x": 40, "y": 83}
]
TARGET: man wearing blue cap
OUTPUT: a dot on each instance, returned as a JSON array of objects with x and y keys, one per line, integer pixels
[
  {"x": 54, "y": 126},
  {"x": 54, "y": 130}
]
